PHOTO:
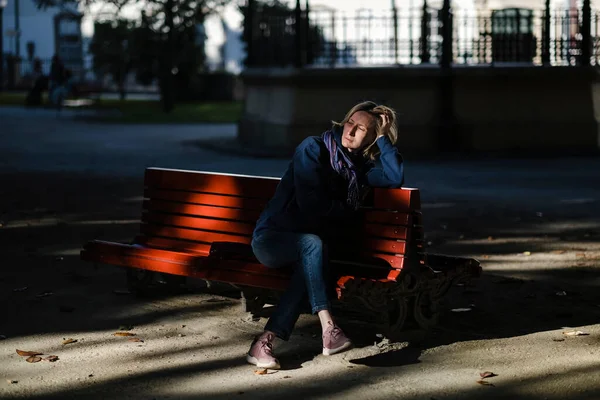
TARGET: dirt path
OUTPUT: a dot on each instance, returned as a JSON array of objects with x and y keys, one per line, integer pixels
[{"x": 537, "y": 236}]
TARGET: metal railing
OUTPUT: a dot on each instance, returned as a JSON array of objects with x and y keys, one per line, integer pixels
[{"x": 330, "y": 38}]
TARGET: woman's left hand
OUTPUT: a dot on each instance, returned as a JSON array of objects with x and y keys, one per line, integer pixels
[{"x": 385, "y": 123}]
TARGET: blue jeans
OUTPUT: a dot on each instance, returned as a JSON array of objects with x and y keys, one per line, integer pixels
[{"x": 306, "y": 254}]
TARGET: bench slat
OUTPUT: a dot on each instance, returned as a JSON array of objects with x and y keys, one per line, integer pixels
[
  {"x": 236, "y": 214},
  {"x": 405, "y": 199},
  {"x": 191, "y": 234},
  {"x": 388, "y": 217},
  {"x": 179, "y": 196},
  {"x": 245, "y": 186},
  {"x": 200, "y": 223},
  {"x": 174, "y": 244}
]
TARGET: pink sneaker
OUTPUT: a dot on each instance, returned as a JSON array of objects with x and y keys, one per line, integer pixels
[
  {"x": 261, "y": 352},
  {"x": 334, "y": 341}
]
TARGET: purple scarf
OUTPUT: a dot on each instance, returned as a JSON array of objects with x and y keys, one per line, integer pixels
[{"x": 343, "y": 165}]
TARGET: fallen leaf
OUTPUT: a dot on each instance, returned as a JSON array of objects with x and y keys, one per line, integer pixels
[
  {"x": 526, "y": 253},
  {"x": 485, "y": 257},
  {"x": 33, "y": 359},
  {"x": 28, "y": 353},
  {"x": 69, "y": 341},
  {"x": 487, "y": 374},
  {"x": 558, "y": 340},
  {"x": 580, "y": 255},
  {"x": 135, "y": 339},
  {"x": 461, "y": 309},
  {"x": 485, "y": 383},
  {"x": 261, "y": 371},
  {"x": 50, "y": 358},
  {"x": 124, "y": 334},
  {"x": 575, "y": 333},
  {"x": 286, "y": 377},
  {"x": 490, "y": 238}
]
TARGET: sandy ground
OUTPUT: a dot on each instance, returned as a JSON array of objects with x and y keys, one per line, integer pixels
[{"x": 533, "y": 223}]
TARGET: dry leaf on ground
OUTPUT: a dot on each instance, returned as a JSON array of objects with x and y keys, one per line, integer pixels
[
  {"x": 487, "y": 374},
  {"x": 485, "y": 383},
  {"x": 575, "y": 333},
  {"x": 69, "y": 341},
  {"x": 50, "y": 358},
  {"x": 124, "y": 334},
  {"x": 28, "y": 353},
  {"x": 135, "y": 339},
  {"x": 33, "y": 359},
  {"x": 261, "y": 371}
]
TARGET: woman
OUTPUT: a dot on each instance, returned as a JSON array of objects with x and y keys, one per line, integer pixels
[{"x": 324, "y": 185}]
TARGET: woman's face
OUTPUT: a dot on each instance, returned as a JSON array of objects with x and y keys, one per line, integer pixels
[{"x": 359, "y": 131}]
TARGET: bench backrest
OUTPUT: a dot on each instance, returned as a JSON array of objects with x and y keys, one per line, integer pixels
[{"x": 189, "y": 210}]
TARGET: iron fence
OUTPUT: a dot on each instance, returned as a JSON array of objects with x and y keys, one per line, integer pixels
[{"x": 326, "y": 37}]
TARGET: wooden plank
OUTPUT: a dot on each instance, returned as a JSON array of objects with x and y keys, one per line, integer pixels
[
  {"x": 387, "y": 231},
  {"x": 388, "y": 217},
  {"x": 206, "y": 224},
  {"x": 208, "y": 182},
  {"x": 174, "y": 244},
  {"x": 396, "y": 247},
  {"x": 404, "y": 200},
  {"x": 234, "y": 214},
  {"x": 180, "y": 196},
  {"x": 191, "y": 234}
]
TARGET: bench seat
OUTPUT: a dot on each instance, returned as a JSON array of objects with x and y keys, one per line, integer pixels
[{"x": 199, "y": 225}]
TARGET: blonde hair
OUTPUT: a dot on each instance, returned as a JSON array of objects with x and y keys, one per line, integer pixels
[{"x": 376, "y": 110}]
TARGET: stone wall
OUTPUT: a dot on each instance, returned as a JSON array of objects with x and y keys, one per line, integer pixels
[{"x": 492, "y": 108}]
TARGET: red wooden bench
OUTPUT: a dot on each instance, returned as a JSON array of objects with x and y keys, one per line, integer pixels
[{"x": 199, "y": 225}]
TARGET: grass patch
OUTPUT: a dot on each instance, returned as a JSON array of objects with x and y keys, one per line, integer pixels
[
  {"x": 150, "y": 111},
  {"x": 144, "y": 111}
]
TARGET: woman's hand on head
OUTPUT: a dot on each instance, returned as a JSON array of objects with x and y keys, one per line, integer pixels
[{"x": 385, "y": 125}]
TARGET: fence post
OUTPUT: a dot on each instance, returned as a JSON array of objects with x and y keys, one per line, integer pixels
[
  {"x": 586, "y": 27},
  {"x": 1, "y": 48},
  {"x": 395, "y": 17},
  {"x": 299, "y": 42},
  {"x": 424, "y": 34},
  {"x": 249, "y": 32},
  {"x": 308, "y": 40},
  {"x": 546, "y": 36},
  {"x": 446, "y": 58}
]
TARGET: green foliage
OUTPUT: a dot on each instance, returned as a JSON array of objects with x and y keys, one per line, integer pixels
[
  {"x": 111, "y": 49},
  {"x": 163, "y": 43}
]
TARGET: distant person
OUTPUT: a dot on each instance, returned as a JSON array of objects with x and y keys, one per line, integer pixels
[
  {"x": 58, "y": 82},
  {"x": 40, "y": 83},
  {"x": 325, "y": 183}
]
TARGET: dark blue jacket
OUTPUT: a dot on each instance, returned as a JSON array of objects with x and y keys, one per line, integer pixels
[{"x": 311, "y": 194}]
